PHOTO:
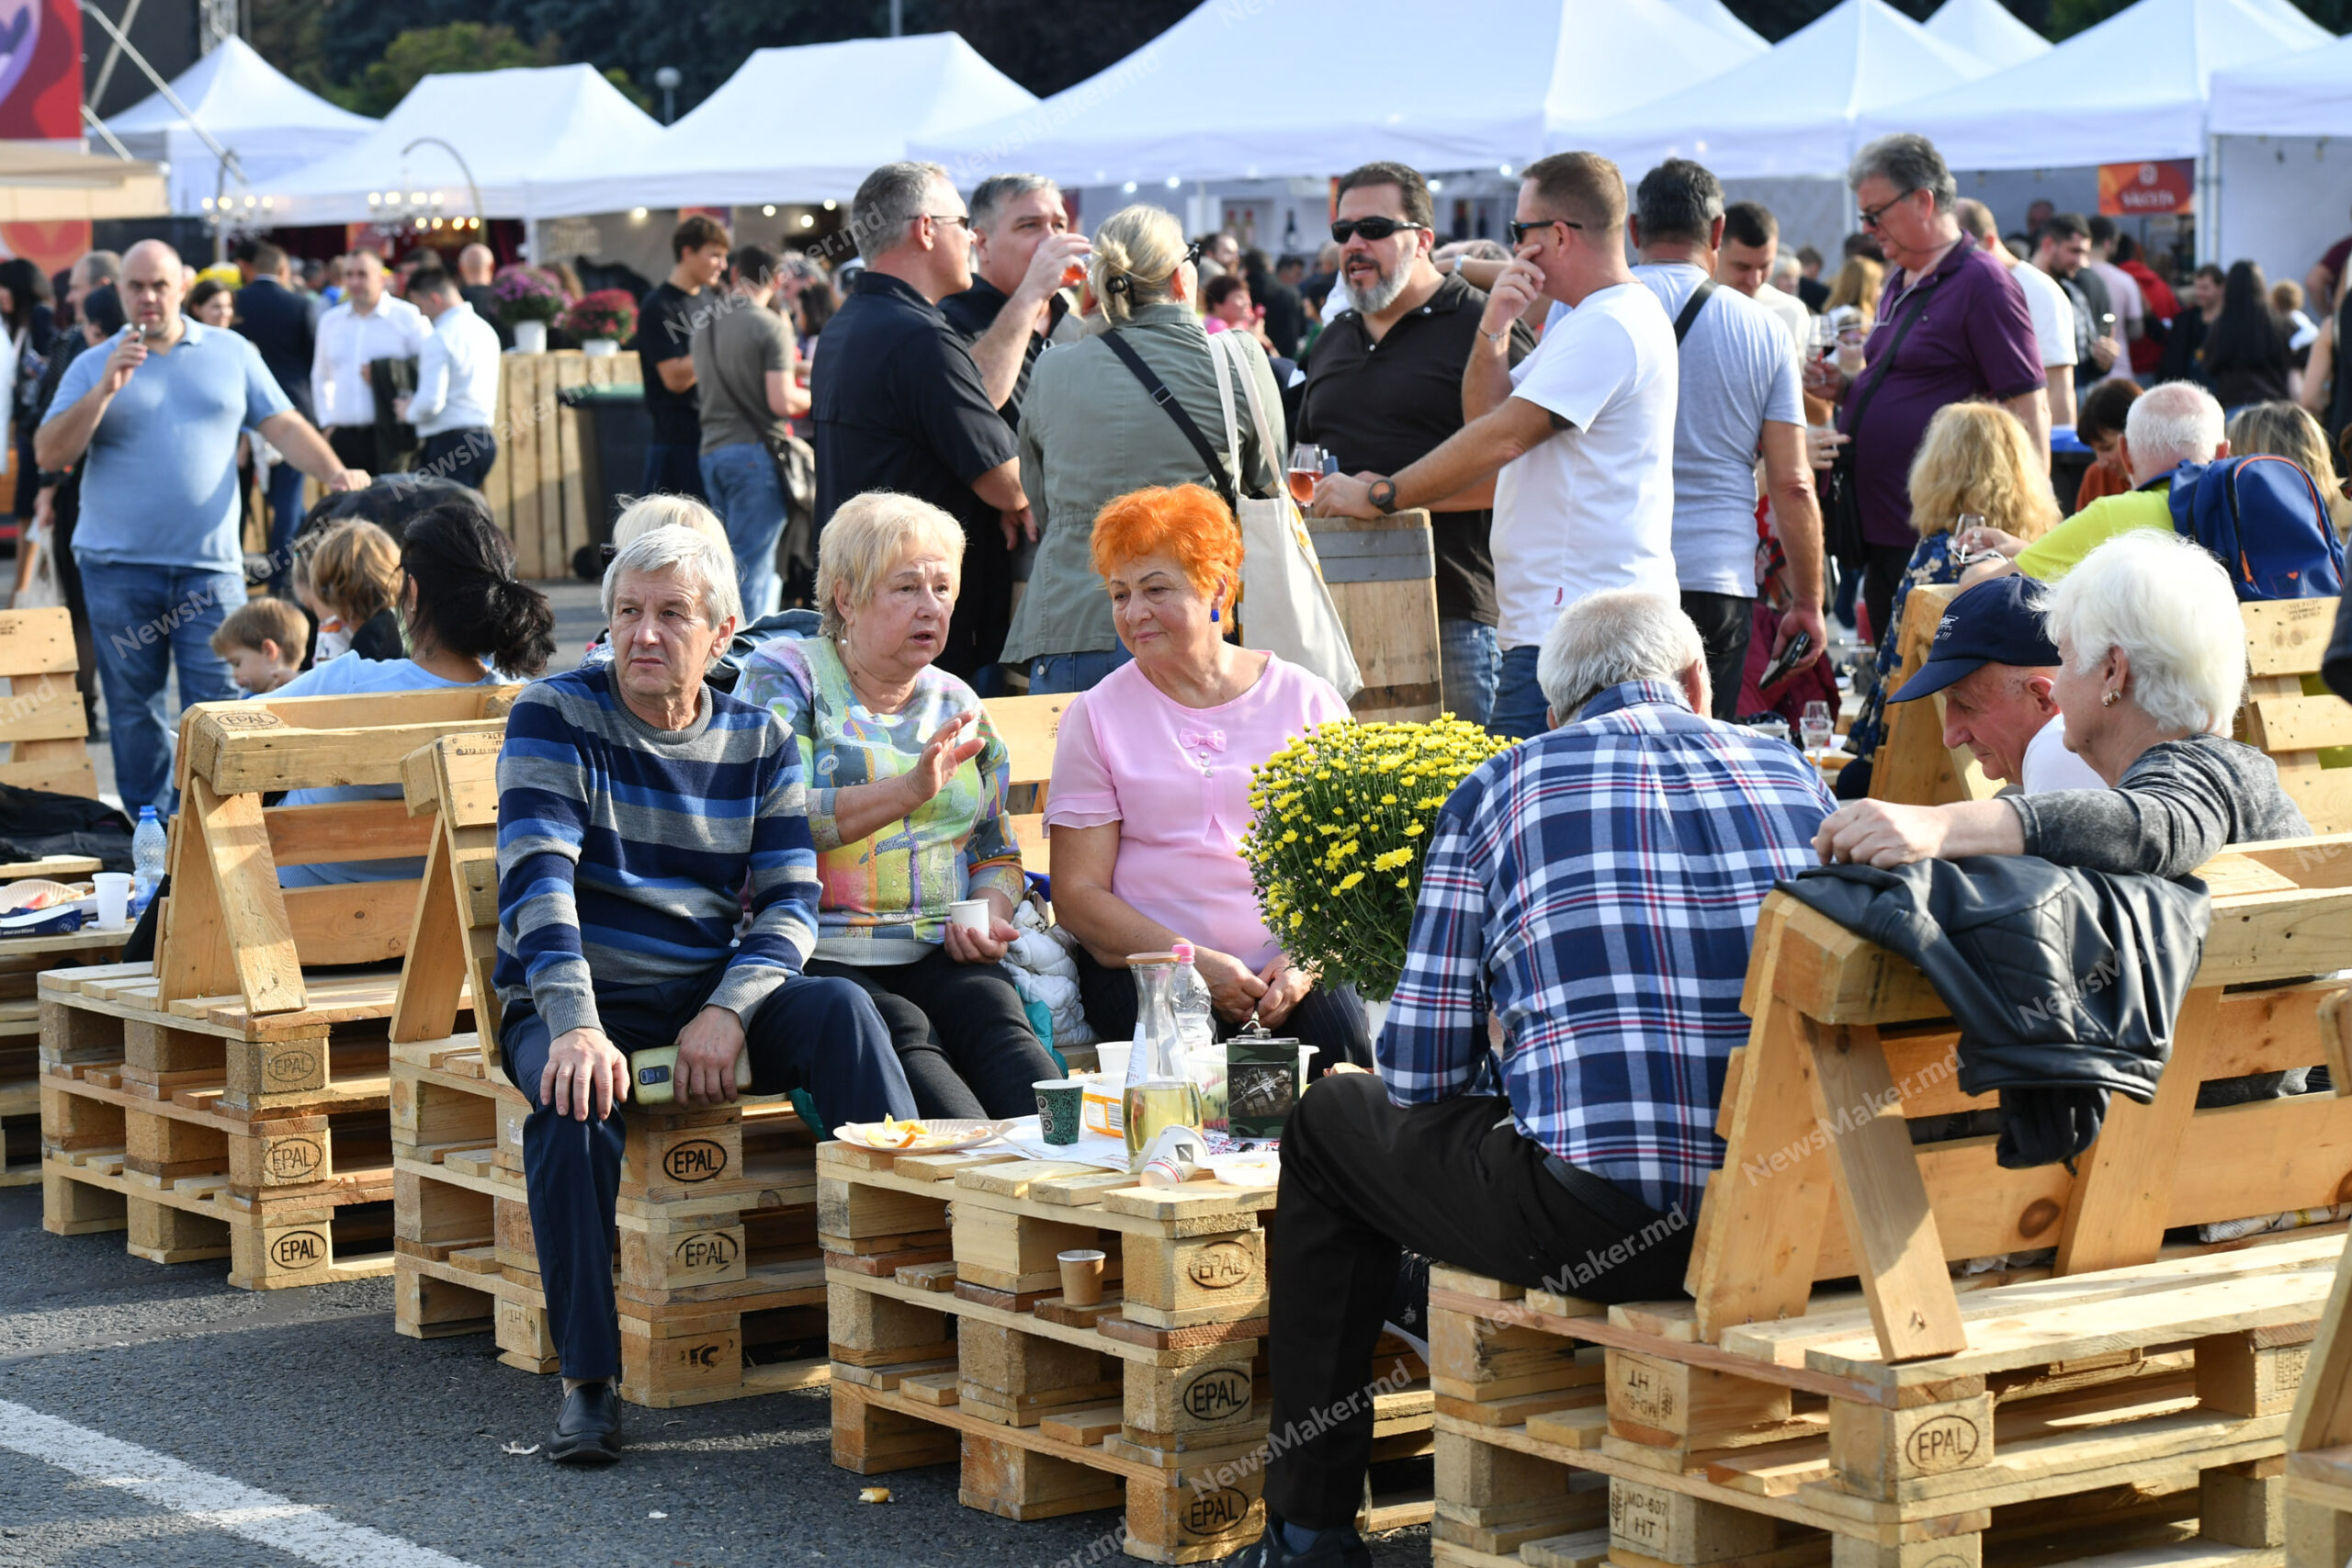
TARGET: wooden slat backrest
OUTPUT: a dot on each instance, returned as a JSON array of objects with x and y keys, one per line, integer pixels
[
  {"x": 1913, "y": 766},
  {"x": 1847, "y": 1042},
  {"x": 2289, "y": 714},
  {"x": 452, "y": 786},
  {"x": 43, "y": 720},
  {"x": 1029, "y": 727}
]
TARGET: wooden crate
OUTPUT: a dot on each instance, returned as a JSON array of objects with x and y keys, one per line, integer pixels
[
  {"x": 951, "y": 1341},
  {"x": 537, "y": 488},
  {"x": 2319, "y": 1435},
  {"x": 1383, "y": 577},
  {"x": 717, "y": 1261}
]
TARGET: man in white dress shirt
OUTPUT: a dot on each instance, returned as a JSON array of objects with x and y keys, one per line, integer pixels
[
  {"x": 369, "y": 324},
  {"x": 457, "y": 384}
]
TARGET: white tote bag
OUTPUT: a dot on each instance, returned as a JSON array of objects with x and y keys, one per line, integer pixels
[{"x": 1285, "y": 607}]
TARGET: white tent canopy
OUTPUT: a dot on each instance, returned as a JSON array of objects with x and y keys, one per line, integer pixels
[
  {"x": 1313, "y": 87},
  {"x": 2284, "y": 179},
  {"x": 846, "y": 109},
  {"x": 1718, "y": 16},
  {"x": 511, "y": 126},
  {"x": 247, "y": 106},
  {"x": 1987, "y": 29},
  {"x": 2308, "y": 93},
  {"x": 2131, "y": 89},
  {"x": 1791, "y": 111}
]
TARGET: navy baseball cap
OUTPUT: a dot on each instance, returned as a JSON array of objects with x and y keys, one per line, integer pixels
[{"x": 1996, "y": 622}]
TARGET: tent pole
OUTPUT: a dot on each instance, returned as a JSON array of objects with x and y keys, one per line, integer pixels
[{"x": 2208, "y": 202}]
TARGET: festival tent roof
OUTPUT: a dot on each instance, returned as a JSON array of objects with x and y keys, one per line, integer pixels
[
  {"x": 2303, "y": 93},
  {"x": 1791, "y": 111},
  {"x": 1240, "y": 90},
  {"x": 273, "y": 126},
  {"x": 851, "y": 107},
  {"x": 510, "y": 127},
  {"x": 2131, "y": 89},
  {"x": 1718, "y": 16},
  {"x": 1987, "y": 29}
]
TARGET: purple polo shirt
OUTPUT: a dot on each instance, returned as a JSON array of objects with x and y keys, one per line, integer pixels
[{"x": 1973, "y": 339}]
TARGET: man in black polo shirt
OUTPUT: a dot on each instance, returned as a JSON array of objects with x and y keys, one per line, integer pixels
[
  {"x": 665, "y": 334},
  {"x": 1022, "y": 250},
  {"x": 1383, "y": 388},
  {"x": 899, "y": 405}
]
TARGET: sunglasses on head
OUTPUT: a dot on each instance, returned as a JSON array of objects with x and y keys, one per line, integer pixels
[
  {"x": 1519, "y": 231},
  {"x": 1347, "y": 229}
]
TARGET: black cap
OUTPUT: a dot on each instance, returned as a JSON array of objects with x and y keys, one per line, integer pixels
[{"x": 1996, "y": 622}]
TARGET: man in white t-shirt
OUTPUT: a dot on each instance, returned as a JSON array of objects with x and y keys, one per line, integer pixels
[
  {"x": 1581, "y": 431},
  {"x": 2130, "y": 305},
  {"x": 1994, "y": 663},
  {"x": 2054, "y": 313},
  {"x": 1746, "y": 261}
]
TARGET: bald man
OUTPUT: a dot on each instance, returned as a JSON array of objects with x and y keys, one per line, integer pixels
[
  {"x": 157, "y": 544},
  {"x": 476, "y": 267}
]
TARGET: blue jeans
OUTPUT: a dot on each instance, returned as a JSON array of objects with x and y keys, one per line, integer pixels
[
  {"x": 143, "y": 618},
  {"x": 284, "y": 517},
  {"x": 1062, "y": 673},
  {"x": 672, "y": 467},
  {"x": 1521, "y": 711},
  {"x": 741, "y": 482},
  {"x": 1466, "y": 652}
]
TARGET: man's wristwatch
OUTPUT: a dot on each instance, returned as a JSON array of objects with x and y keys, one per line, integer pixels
[{"x": 1383, "y": 495}]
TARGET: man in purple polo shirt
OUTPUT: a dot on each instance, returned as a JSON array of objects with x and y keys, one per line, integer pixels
[{"x": 1973, "y": 337}]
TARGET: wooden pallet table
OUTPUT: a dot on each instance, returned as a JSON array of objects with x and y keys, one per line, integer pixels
[
  {"x": 2123, "y": 1403},
  {"x": 2319, "y": 1435},
  {"x": 951, "y": 1341}
]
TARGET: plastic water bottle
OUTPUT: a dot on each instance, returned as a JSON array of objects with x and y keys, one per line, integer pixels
[
  {"x": 147, "y": 850},
  {"x": 1196, "y": 1024}
]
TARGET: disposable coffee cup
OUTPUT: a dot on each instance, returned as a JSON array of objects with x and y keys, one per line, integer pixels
[
  {"x": 972, "y": 914},
  {"x": 114, "y": 897},
  {"x": 1081, "y": 1278},
  {"x": 1061, "y": 1105},
  {"x": 1113, "y": 1056}
]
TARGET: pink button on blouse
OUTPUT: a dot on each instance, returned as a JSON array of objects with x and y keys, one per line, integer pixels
[{"x": 1177, "y": 782}]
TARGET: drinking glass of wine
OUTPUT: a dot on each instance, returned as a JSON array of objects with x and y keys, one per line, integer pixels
[
  {"x": 1968, "y": 547},
  {"x": 1816, "y": 727},
  {"x": 1306, "y": 467}
]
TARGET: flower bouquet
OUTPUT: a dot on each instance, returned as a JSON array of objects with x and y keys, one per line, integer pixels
[
  {"x": 526, "y": 294},
  {"x": 1342, "y": 824},
  {"x": 606, "y": 313}
]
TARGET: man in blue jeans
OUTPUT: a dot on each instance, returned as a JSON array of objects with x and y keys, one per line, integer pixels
[
  {"x": 747, "y": 370},
  {"x": 162, "y": 564}
]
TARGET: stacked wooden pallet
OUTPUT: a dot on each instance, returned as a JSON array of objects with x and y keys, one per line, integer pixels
[
  {"x": 951, "y": 1340},
  {"x": 719, "y": 1286},
  {"x": 542, "y": 489}
]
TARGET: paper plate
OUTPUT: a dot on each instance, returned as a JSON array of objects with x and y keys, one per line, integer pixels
[{"x": 941, "y": 1135}]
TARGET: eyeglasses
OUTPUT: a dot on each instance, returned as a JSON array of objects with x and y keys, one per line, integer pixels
[
  {"x": 1871, "y": 215},
  {"x": 1519, "y": 231},
  {"x": 1347, "y": 229},
  {"x": 1191, "y": 256},
  {"x": 961, "y": 220}
]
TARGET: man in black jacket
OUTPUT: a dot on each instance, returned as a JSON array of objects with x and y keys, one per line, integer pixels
[{"x": 277, "y": 322}]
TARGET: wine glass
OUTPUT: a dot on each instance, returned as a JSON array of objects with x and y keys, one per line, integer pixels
[
  {"x": 1816, "y": 727},
  {"x": 1964, "y": 528},
  {"x": 1824, "y": 337},
  {"x": 1306, "y": 467}
]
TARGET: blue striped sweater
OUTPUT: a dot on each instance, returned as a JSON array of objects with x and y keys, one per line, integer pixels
[{"x": 623, "y": 850}]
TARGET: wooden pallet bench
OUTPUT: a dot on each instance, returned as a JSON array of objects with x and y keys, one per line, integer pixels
[
  {"x": 2319, "y": 1435},
  {"x": 951, "y": 1341},
  {"x": 2126, "y": 1389},
  {"x": 718, "y": 1275}
]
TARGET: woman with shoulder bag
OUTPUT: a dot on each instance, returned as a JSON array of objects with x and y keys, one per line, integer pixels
[{"x": 1093, "y": 427}]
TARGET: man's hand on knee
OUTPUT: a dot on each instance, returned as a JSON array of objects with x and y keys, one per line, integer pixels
[
  {"x": 583, "y": 1067},
  {"x": 707, "y": 1047}
]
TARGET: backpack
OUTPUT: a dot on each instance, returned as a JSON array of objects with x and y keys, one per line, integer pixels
[{"x": 2263, "y": 518}]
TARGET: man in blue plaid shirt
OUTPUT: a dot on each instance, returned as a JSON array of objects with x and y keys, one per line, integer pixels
[{"x": 1595, "y": 889}]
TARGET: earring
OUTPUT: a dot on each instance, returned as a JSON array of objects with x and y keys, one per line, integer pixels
[
  {"x": 1213, "y": 611},
  {"x": 2108, "y": 701}
]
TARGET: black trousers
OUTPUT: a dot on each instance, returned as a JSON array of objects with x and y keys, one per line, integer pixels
[
  {"x": 983, "y": 611},
  {"x": 461, "y": 457},
  {"x": 1331, "y": 1018},
  {"x": 959, "y": 1032},
  {"x": 1724, "y": 621},
  {"x": 1362, "y": 1179},
  {"x": 355, "y": 446},
  {"x": 1887, "y": 565}
]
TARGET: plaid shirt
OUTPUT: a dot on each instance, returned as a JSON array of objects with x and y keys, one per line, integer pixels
[{"x": 1595, "y": 888}]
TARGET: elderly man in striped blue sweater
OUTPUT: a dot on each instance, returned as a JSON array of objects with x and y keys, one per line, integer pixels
[{"x": 637, "y": 811}]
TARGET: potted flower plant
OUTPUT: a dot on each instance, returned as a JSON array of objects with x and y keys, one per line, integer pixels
[
  {"x": 601, "y": 320},
  {"x": 528, "y": 301},
  {"x": 1342, "y": 827}
]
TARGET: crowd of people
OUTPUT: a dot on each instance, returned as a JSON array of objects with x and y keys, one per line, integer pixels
[{"x": 1663, "y": 461}]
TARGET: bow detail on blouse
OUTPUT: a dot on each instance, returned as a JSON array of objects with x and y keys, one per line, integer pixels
[{"x": 1201, "y": 739}]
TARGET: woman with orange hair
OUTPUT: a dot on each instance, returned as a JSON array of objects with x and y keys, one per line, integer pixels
[{"x": 1151, "y": 781}]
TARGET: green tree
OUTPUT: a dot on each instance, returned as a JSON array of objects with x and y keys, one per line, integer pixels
[{"x": 455, "y": 47}]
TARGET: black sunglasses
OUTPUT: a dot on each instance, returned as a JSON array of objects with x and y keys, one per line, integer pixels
[
  {"x": 1519, "y": 231},
  {"x": 1347, "y": 229}
]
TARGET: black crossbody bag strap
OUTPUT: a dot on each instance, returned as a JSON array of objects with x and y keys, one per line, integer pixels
[
  {"x": 1167, "y": 399},
  {"x": 1690, "y": 309}
]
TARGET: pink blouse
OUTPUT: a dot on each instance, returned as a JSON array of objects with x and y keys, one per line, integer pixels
[{"x": 1177, "y": 782}]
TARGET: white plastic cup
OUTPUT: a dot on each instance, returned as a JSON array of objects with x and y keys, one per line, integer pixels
[
  {"x": 114, "y": 897},
  {"x": 1113, "y": 1056},
  {"x": 972, "y": 914}
]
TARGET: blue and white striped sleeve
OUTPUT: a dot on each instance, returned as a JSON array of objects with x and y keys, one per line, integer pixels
[
  {"x": 784, "y": 887},
  {"x": 542, "y": 817}
]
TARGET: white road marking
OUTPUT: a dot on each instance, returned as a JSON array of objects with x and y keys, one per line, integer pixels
[{"x": 299, "y": 1529}]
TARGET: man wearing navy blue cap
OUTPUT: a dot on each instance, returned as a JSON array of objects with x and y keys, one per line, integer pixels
[{"x": 1994, "y": 663}]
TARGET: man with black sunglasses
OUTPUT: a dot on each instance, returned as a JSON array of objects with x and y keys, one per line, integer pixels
[
  {"x": 1383, "y": 389},
  {"x": 1578, "y": 436}
]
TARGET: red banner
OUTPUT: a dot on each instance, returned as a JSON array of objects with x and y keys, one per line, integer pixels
[
  {"x": 2139, "y": 190},
  {"x": 41, "y": 71}
]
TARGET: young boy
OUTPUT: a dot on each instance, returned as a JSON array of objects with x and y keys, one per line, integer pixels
[{"x": 263, "y": 640}]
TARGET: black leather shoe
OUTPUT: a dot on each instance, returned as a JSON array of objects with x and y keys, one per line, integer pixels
[
  {"x": 1332, "y": 1549},
  {"x": 588, "y": 1431}
]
